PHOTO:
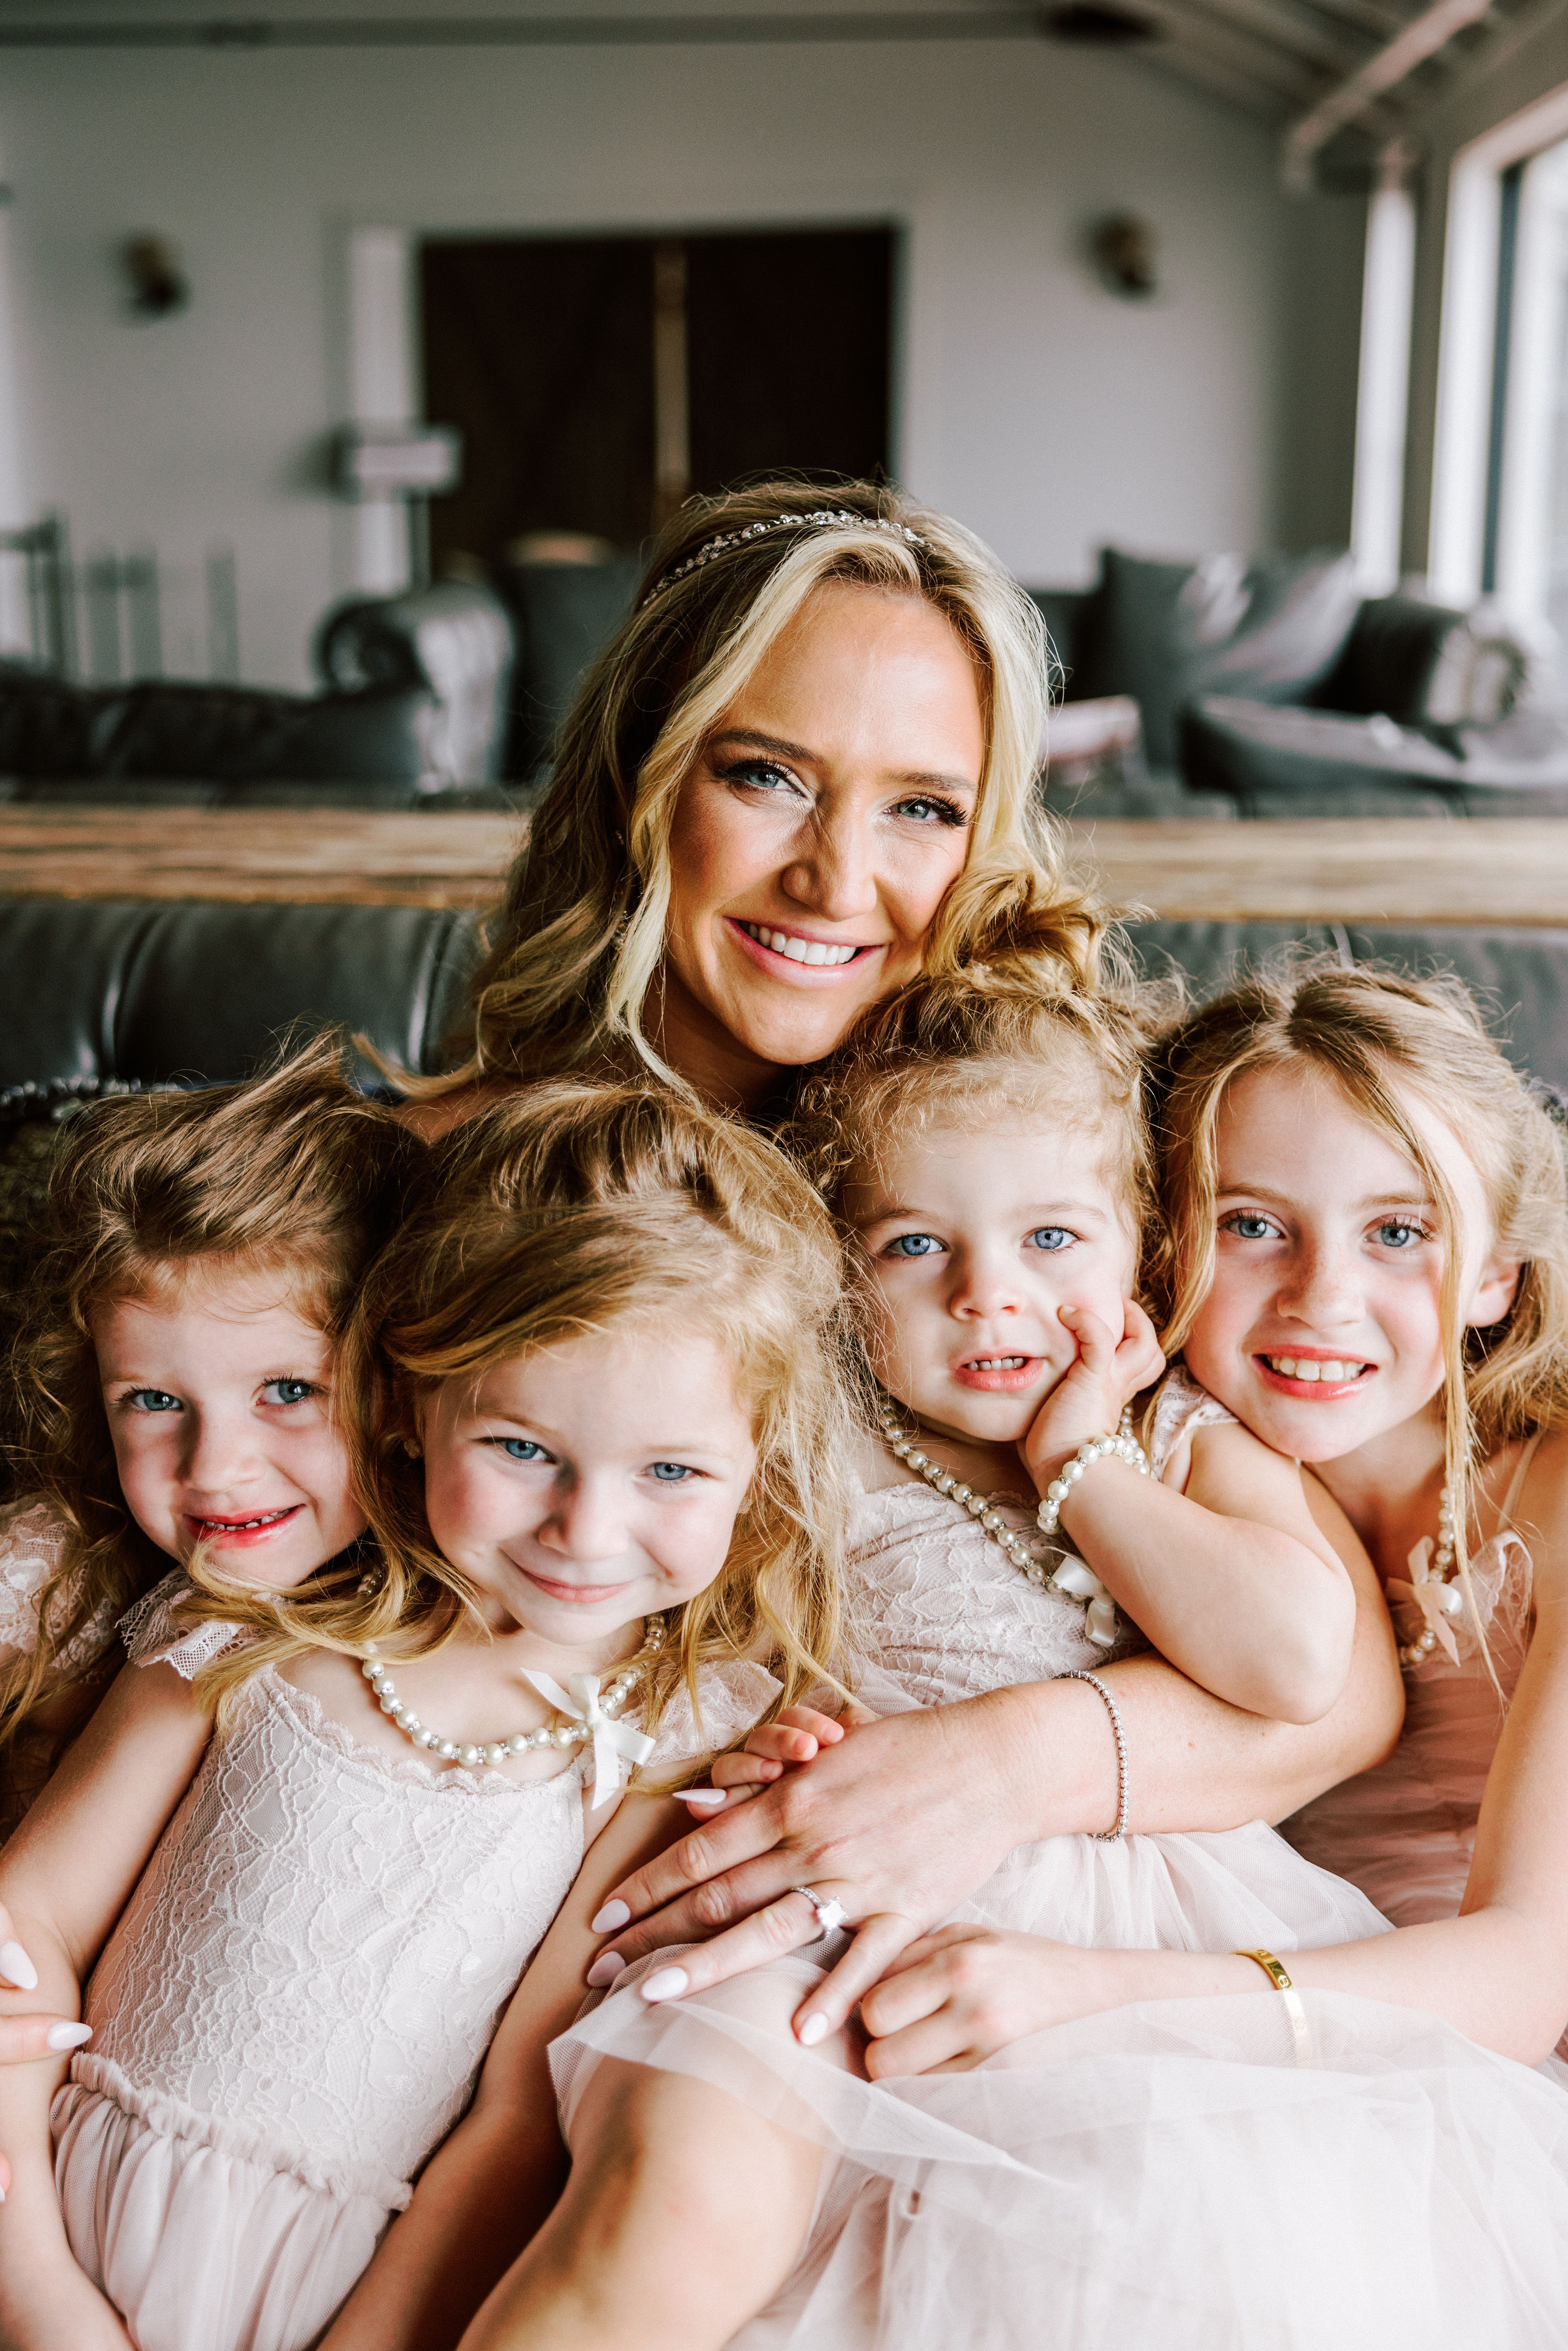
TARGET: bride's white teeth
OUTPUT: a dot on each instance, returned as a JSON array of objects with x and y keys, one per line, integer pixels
[
  {"x": 1303, "y": 1367},
  {"x": 811, "y": 951}
]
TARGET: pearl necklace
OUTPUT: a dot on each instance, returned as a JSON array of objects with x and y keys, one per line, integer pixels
[
  {"x": 562, "y": 1733},
  {"x": 1450, "y": 1598},
  {"x": 979, "y": 1506}
]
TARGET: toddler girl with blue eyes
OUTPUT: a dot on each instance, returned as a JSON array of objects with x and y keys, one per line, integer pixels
[{"x": 586, "y": 1403}]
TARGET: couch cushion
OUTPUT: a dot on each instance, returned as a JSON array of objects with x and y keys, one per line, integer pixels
[
  {"x": 1265, "y": 755},
  {"x": 1166, "y": 632},
  {"x": 230, "y": 733},
  {"x": 155, "y": 991}
]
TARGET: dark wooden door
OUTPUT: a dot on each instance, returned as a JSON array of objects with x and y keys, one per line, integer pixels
[{"x": 541, "y": 351}]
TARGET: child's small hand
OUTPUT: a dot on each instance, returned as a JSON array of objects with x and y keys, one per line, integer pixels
[
  {"x": 1110, "y": 1369},
  {"x": 955, "y": 1997},
  {"x": 785, "y": 1744}
]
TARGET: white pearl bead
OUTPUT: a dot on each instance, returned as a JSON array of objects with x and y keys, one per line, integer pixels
[
  {"x": 517, "y": 1743},
  {"x": 917, "y": 1460},
  {"x": 962, "y": 1493},
  {"x": 497, "y": 1751},
  {"x": 469, "y": 1754},
  {"x": 447, "y": 1748},
  {"x": 389, "y": 1699},
  {"x": 1057, "y": 1490}
]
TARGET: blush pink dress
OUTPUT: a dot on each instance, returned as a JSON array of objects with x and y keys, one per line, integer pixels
[
  {"x": 1406, "y": 1832},
  {"x": 293, "y": 2010},
  {"x": 1167, "y": 2176}
]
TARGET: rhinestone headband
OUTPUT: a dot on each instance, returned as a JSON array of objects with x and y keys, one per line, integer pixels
[{"x": 819, "y": 519}]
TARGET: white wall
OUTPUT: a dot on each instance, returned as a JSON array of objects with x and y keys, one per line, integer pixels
[{"x": 1047, "y": 413}]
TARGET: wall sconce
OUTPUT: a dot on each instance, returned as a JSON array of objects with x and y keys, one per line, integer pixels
[
  {"x": 1124, "y": 251},
  {"x": 155, "y": 275}
]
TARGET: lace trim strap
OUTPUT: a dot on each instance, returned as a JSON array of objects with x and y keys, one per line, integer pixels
[
  {"x": 32, "y": 1545},
  {"x": 151, "y": 1633},
  {"x": 1181, "y": 1406},
  {"x": 734, "y": 1698}
]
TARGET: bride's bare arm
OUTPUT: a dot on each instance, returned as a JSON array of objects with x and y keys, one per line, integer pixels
[
  {"x": 907, "y": 1816},
  {"x": 1498, "y": 1971}
]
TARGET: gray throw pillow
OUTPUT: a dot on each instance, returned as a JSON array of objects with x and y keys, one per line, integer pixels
[{"x": 1269, "y": 631}]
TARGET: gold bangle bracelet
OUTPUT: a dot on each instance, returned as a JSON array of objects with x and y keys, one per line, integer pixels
[{"x": 1301, "y": 2033}]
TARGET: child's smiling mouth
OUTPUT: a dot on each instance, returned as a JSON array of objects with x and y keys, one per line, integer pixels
[
  {"x": 237, "y": 1530},
  {"x": 1319, "y": 1378},
  {"x": 999, "y": 1373}
]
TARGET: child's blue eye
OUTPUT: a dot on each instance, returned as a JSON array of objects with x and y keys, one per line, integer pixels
[
  {"x": 669, "y": 1473},
  {"x": 523, "y": 1449},
  {"x": 1398, "y": 1235},
  {"x": 152, "y": 1400},
  {"x": 1050, "y": 1237},
  {"x": 1247, "y": 1228},
  {"x": 913, "y": 1245},
  {"x": 287, "y": 1391}
]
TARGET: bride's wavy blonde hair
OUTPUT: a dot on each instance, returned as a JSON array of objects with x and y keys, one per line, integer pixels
[
  {"x": 570, "y": 1210},
  {"x": 580, "y": 939},
  {"x": 1388, "y": 1040}
]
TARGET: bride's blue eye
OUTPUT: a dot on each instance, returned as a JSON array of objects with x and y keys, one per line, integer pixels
[
  {"x": 1050, "y": 1237},
  {"x": 913, "y": 1245}
]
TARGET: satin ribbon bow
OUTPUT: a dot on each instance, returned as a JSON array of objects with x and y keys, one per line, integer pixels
[
  {"x": 611, "y": 1740},
  {"x": 1437, "y": 1602},
  {"x": 1079, "y": 1582}
]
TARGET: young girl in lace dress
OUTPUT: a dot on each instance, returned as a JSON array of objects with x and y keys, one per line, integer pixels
[{"x": 598, "y": 1430}]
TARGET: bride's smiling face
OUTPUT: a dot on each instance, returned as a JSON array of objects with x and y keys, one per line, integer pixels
[{"x": 819, "y": 832}]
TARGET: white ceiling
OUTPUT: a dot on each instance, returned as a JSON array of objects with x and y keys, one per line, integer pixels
[{"x": 1276, "y": 58}]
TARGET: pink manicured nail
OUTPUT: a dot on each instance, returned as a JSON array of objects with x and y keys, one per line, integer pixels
[
  {"x": 67, "y": 2036},
  {"x": 706, "y": 1797},
  {"x": 17, "y": 1969},
  {"x": 613, "y": 1914},
  {"x": 814, "y": 2029},
  {"x": 668, "y": 1984},
  {"x": 605, "y": 1969}
]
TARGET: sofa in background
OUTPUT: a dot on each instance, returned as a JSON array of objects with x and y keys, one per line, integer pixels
[{"x": 1273, "y": 689}]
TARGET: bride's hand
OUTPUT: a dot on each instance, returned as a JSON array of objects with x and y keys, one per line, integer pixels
[
  {"x": 955, "y": 1998},
  {"x": 25, "y": 2039}
]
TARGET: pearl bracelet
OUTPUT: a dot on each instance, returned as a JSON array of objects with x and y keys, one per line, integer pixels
[
  {"x": 1119, "y": 1826},
  {"x": 1124, "y": 1446}
]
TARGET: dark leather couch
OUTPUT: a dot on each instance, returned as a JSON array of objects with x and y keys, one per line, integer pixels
[{"x": 134, "y": 991}]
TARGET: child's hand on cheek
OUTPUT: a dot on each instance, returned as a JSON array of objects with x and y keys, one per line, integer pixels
[{"x": 1108, "y": 1370}]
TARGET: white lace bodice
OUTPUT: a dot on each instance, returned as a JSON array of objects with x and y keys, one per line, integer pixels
[
  {"x": 311, "y": 1970},
  {"x": 938, "y": 1606},
  {"x": 33, "y": 1542}
]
